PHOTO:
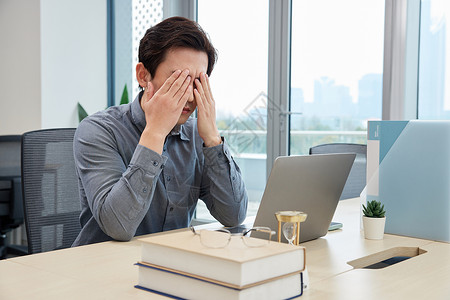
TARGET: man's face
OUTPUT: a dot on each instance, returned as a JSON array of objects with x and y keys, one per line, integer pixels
[{"x": 181, "y": 59}]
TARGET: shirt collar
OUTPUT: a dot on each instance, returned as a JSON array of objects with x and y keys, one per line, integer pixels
[
  {"x": 137, "y": 114},
  {"x": 181, "y": 131},
  {"x": 138, "y": 117}
]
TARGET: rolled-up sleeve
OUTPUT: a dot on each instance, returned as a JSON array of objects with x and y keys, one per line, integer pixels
[{"x": 223, "y": 189}]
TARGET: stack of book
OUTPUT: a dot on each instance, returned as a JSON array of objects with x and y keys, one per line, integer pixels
[{"x": 177, "y": 265}]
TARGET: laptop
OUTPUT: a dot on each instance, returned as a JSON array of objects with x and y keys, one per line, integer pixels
[{"x": 312, "y": 184}]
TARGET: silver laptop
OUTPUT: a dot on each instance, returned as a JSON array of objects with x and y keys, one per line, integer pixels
[{"x": 312, "y": 184}]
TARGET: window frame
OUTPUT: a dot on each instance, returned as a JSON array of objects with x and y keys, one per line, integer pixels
[{"x": 400, "y": 65}]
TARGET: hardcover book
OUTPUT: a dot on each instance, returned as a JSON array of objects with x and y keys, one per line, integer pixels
[
  {"x": 182, "y": 285},
  {"x": 238, "y": 264}
]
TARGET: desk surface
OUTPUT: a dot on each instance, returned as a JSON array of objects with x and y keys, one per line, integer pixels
[{"x": 107, "y": 271}]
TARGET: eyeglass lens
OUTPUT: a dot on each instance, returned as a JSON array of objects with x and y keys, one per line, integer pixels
[
  {"x": 215, "y": 239},
  {"x": 262, "y": 240}
]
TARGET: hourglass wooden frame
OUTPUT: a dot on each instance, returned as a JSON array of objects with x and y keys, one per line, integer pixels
[{"x": 290, "y": 217}]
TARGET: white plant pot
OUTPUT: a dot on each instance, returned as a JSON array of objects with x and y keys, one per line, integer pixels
[{"x": 374, "y": 228}]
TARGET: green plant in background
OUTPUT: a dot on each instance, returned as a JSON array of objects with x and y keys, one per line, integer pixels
[
  {"x": 81, "y": 112},
  {"x": 374, "y": 209},
  {"x": 123, "y": 100}
]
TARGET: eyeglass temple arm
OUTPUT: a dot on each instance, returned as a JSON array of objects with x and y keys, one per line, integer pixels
[
  {"x": 263, "y": 229},
  {"x": 193, "y": 229}
]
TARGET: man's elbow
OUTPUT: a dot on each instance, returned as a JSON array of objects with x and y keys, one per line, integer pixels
[
  {"x": 122, "y": 236},
  {"x": 236, "y": 218},
  {"x": 118, "y": 232}
]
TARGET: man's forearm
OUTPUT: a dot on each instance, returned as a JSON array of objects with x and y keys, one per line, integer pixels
[
  {"x": 226, "y": 191},
  {"x": 119, "y": 199},
  {"x": 152, "y": 141}
]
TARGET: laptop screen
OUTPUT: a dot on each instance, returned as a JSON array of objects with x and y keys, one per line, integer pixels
[{"x": 312, "y": 184}]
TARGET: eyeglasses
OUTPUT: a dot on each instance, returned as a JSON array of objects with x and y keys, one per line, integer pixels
[{"x": 220, "y": 238}]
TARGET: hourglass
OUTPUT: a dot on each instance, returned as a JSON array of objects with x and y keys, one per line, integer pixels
[{"x": 291, "y": 226}]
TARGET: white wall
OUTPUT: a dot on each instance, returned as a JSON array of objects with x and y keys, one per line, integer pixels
[
  {"x": 20, "y": 84},
  {"x": 74, "y": 59},
  {"x": 53, "y": 54}
]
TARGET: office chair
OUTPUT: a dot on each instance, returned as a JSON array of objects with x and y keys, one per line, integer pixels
[
  {"x": 11, "y": 209},
  {"x": 50, "y": 189},
  {"x": 356, "y": 180}
]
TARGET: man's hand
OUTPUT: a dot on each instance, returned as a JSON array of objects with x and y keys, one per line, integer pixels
[
  {"x": 163, "y": 108},
  {"x": 206, "y": 112}
]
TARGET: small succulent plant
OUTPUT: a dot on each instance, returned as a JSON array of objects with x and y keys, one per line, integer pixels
[{"x": 374, "y": 209}]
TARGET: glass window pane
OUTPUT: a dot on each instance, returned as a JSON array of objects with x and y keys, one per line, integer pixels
[
  {"x": 434, "y": 85},
  {"x": 336, "y": 71},
  {"x": 239, "y": 31},
  {"x": 131, "y": 20}
]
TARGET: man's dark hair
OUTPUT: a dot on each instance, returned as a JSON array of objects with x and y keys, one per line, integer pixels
[{"x": 172, "y": 33}]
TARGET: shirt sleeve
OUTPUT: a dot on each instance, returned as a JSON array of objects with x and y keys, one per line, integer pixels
[
  {"x": 118, "y": 195},
  {"x": 223, "y": 189}
]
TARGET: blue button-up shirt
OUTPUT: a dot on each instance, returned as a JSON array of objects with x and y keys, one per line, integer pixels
[{"x": 127, "y": 189}]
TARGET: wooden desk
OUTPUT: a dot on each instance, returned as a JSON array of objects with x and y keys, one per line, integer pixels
[
  {"x": 107, "y": 271},
  {"x": 426, "y": 276}
]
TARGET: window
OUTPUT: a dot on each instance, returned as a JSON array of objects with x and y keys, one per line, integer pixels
[
  {"x": 336, "y": 71},
  {"x": 239, "y": 31},
  {"x": 335, "y": 83},
  {"x": 434, "y": 67},
  {"x": 131, "y": 19}
]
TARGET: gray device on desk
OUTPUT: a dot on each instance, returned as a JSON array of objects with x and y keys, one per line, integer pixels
[{"x": 309, "y": 183}]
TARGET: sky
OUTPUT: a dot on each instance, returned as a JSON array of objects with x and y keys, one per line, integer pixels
[
  {"x": 342, "y": 40},
  {"x": 440, "y": 13},
  {"x": 241, "y": 40}
]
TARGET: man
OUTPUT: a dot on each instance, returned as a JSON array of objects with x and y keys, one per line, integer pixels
[{"x": 143, "y": 166}]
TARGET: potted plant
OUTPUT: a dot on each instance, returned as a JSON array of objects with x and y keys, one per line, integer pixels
[{"x": 374, "y": 220}]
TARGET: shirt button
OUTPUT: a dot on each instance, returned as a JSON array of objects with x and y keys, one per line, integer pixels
[
  {"x": 155, "y": 163},
  {"x": 170, "y": 209},
  {"x": 168, "y": 178},
  {"x": 233, "y": 178},
  {"x": 144, "y": 190}
]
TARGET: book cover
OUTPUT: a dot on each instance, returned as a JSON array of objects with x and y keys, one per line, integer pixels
[
  {"x": 182, "y": 285},
  {"x": 408, "y": 170},
  {"x": 239, "y": 264}
]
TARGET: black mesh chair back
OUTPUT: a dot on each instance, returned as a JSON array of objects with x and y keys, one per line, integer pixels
[
  {"x": 356, "y": 180},
  {"x": 50, "y": 189},
  {"x": 11, "y": 207}
]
